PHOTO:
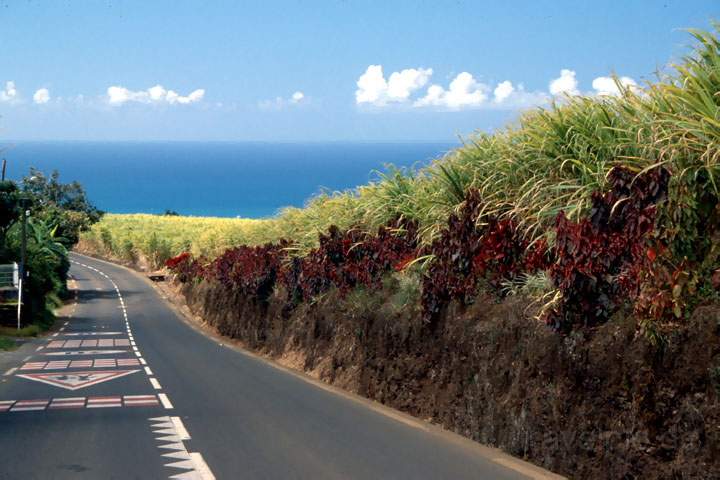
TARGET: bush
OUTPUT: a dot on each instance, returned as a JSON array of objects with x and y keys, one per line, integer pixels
[
  {"x": 599, "y": 259},
  {"x": 158, "y": 251},
  {"x": 466, "y": 252}
]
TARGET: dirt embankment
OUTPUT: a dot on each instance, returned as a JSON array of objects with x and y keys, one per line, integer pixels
[{"x": 596, "y": 404}]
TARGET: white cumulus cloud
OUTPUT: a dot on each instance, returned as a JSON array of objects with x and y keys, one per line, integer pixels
[
  {"x": 41, "y": 96},
  {"x": 10, "y": 93},
  {"x": 117, "y": 95},
  {"x": 372, "y": 88},
  {"x": 502, "y": 91},
  {"x": 565, "y": 84},
  {"x": 463, "y": 91},
  {"x": 509, "y": 96},
  {"x": 608, "y": 86},
  {"x": 297, "y": 97}
]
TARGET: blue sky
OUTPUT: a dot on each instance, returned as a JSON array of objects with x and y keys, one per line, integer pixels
[{"x": 86, "y": 70}]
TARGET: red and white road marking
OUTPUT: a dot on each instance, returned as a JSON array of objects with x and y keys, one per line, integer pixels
[
  {"x": 57, "y": 364},
  {"x": 71, "y": 402},
  {"x": 67, "y": 403},
  {"x": 76, "y": 380},
  {"x": 85, "y": 352},
  {"x": 106, "y": 342},
  {"x": 33, "y": 366},
  {"x": 29, "y": 405},
  {"x": 104, "y": 402},
  {"x": 97, "y": 363},
  {"x": 140, "y": 400},
  {"x": 82, "y": 334},
  {"x": 128, "y": 362},
  {"x": 105, "y": 362},
  {"x": 81, "y": 364}
]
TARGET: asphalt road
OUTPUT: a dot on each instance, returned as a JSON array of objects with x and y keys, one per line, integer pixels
[{"x": 140, "y": 394}]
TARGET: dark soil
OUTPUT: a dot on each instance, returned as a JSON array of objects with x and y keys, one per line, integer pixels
[{"x": 601, "y": 403}]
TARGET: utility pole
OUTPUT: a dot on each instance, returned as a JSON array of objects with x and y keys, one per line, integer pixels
[
  {"x": 23, "y": 257},
  {"x": 3, "y": 169}
]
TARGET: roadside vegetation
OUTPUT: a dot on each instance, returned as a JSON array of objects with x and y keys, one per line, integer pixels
[
  {"x": 591, "y": 204},
  {"x": 156, "y": 238},
  {"x": 57, "y": 214},
  {"x": 7, "y": 343}
]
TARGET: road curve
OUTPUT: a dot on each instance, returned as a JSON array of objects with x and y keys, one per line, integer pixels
[{"x": 138, "y": 393}]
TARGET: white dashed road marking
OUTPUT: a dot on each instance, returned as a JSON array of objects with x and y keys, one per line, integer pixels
[{"x": 165, "y": 401}]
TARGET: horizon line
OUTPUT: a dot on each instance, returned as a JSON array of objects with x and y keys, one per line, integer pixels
[{"x": 10, "y": 142}]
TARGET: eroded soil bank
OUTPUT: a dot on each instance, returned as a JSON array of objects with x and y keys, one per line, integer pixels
[{"x": 600, "y": 403}]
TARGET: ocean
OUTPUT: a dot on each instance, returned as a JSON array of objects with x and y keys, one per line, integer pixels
[{"x": 224, "y": 179}]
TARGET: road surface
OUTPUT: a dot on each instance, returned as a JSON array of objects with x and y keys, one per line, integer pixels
[{"x": 128, "y": 390}]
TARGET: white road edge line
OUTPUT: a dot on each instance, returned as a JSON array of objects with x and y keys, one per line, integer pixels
[
  {"x": 155, "y": 383},
  {"x": 11, "y": 371}
]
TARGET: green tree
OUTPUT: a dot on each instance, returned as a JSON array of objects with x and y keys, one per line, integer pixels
[
  {"x": 47, "y": 265},
  {"x": 9, "y": 212},
  {"x": 62, "y": 205}
]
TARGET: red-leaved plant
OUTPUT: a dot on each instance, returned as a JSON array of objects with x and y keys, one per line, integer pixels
[{"x": 599, "y": 260}]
